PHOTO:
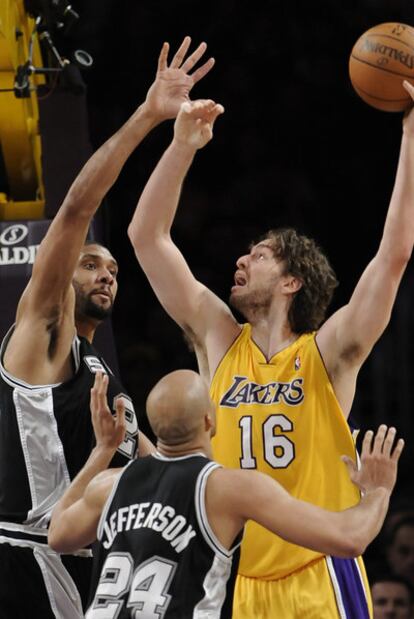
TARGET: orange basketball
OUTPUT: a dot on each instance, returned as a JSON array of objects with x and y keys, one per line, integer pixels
[{"x": 381, "y": 59}]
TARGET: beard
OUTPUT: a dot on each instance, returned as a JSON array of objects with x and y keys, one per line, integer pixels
[
  {"x": 86, "y": 307},
  {"x": 252, "y": 303}
]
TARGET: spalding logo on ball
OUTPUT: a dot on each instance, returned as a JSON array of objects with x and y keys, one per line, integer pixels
[{"x": 381, "y": 59}]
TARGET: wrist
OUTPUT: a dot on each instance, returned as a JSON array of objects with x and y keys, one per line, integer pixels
[
  {"x": 103, "y": 452},
  {"x": 183, "y": 147},
  {"x": 378, "y": 492},
  {"x": 142, "y": 121},
  {"x": 146, "y": 112}
]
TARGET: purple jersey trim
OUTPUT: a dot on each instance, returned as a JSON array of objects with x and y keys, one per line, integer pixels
[{"x": 349, "y": 588}]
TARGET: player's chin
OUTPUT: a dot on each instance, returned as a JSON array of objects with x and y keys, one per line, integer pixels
[{"x": 100, "y": 311}]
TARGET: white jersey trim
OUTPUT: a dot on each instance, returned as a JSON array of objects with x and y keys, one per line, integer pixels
[
  {"x": 336, "y": 588},
  {"x": 160, "y": 456},
  {"x": 107, "y": 505},
  {"x": 13, "y": 381},
  {"x": 201, "y": 513}
]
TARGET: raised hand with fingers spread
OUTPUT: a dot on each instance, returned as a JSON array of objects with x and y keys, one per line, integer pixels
[
  {"x": 173, "y": 82},
  {"x": 379, "y": 460}
]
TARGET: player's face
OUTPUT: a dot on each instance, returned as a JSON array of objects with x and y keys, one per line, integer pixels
[
  {"x": 256, "y": 279},
  {"x": 95, "y": 282},
  {"x": 391, "y": 600}
]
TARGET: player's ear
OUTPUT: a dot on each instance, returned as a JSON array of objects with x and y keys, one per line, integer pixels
[
  {"x": 291, "y": 284},
  {"x": 209, "y": 424}
]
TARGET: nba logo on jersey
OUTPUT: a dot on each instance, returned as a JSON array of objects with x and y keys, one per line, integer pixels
[
  {"x": 94, "y": 364},
  {"x": 297, "y": 363}
]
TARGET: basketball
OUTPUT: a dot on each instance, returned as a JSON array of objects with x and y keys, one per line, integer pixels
[{"x": 381, "y": 59}]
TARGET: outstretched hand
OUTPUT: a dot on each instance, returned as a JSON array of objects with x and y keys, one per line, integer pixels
[
  {"x": 379, "y": 461},
  {"x": 195, "y": 121},
  {"x": 109, "y": 429},
  {"x": 173, "y": 82}
]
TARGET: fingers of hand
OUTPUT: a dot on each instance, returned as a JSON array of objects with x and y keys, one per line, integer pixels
[
  {"x": 96, "y": 389},
  {"x": 180, "y": 54},
  {"x": 217, "y": 110},
  {"x": 388, "y": 441},
  {"x": 398, "y": 449},
  {"x": 366, "y": 443},
  {"x": 162, "y": 59},
  {"x": 379, "y": 439},
  {"x": 350, "y": 464},
  {"x": 120, "y": 413},
  {"x": 102, "y": 389},
  {"x": 409, "y": 88},
  {"x": 194, "y": 57},
  {"x": 203, "y": 70},
  {"x": 202, "y": 108}
]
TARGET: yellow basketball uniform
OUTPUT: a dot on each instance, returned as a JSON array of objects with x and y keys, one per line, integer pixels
[{"x": 282, "y": 417}]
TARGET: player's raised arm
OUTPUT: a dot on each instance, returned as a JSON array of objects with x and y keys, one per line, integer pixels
[
  {"x": 346, "y": 339},
  {"x": 188, "y": 302},
  {"x": 347, "y": 533},
  {"x": 76, "y": 515},
  {"x": 59, "y": 251}
]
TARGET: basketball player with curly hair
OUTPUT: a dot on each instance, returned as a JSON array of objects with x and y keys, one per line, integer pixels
[{"x": 284, "y": 381}]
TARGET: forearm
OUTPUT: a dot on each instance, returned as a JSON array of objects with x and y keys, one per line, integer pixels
[
  {"x": 362, "y": 523},
  {"x": 103, "y": 168},
  {"x": 398, "y": 237},
  {"x": 97, "y": 462},
  {"x": 158, "y": 203}
]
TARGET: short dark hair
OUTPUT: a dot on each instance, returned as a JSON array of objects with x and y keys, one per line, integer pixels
[
  {"x": 389, "y": 576},
  {"x": 305, "y": 260}
]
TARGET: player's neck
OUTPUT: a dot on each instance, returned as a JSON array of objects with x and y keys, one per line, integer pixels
[
  {"x": 272, "y": 333},
  {"x": 86, "y": 329},
  {"x": 184, "y": 449}
]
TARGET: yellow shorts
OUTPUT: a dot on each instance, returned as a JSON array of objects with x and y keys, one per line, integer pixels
[{"x": 328, "y": 588}]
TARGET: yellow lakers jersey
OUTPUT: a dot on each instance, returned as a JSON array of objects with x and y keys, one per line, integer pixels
[{"x": 282, "y": 417}]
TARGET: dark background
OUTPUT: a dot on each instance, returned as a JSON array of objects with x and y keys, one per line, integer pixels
[{"x": 296, "y": 146}]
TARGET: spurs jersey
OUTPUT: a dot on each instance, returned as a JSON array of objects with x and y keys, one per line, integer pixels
[
  {"x": 282, "y": 417},
  {"x": 46, "y": 435},
  {"x": 157, "y": 555}
]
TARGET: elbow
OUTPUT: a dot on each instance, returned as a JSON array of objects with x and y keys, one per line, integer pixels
[
  {"x": 134, "y": 235},
  {"x": 145, "y": 241},
  {"x": 398, "y": 256},
  {"x": 139, "y": 237},
  {"x": 351, "y": 545},
  {"x": 58, "y": 539},
  {"x": 402, "y": 258},
  {"x": 54, "y": 541},
  {"x": 60, "y": 544}
]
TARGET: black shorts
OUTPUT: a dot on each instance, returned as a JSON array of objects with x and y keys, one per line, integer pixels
[{"x": 35, "y": 583}]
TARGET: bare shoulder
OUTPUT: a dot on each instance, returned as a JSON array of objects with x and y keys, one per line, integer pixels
[
  {"x": 227, "y": 485},
  {"x": 100, "y": 487},
  {"x": 218, "y": 334}
]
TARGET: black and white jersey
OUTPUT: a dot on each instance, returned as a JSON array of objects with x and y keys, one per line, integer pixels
[
  {"x": 46, "y": 435},
  {"x": 157, "y": 554}
]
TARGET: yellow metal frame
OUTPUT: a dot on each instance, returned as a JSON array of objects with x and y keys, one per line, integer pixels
[{"x": 19, "y": 118}]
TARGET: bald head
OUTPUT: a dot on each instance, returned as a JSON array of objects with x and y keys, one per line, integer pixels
[{"x": 177, "y": 407}]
